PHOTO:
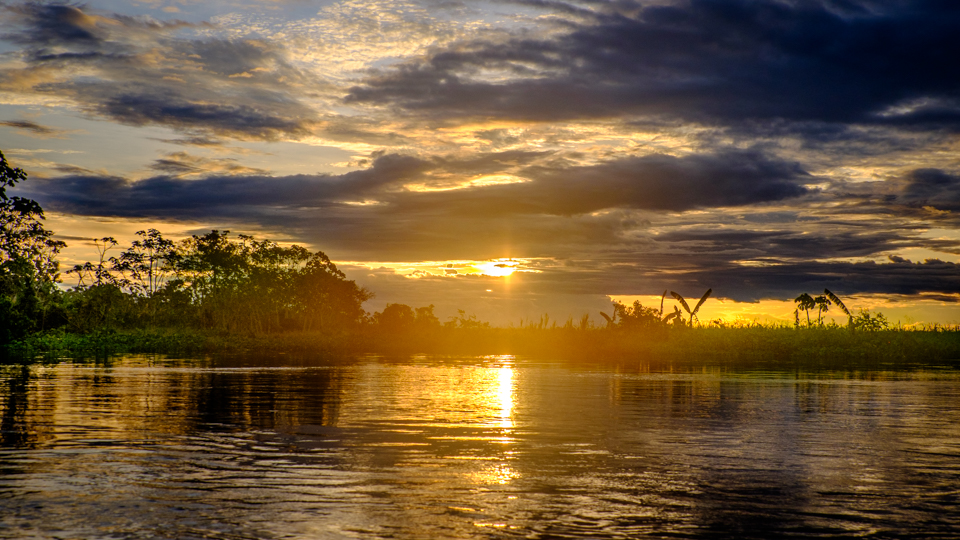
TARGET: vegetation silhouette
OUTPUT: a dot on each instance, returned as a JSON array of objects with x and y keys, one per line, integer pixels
[
  {"x": 215, "y": 292},
  {"x": 29, "y": 269},
  {"x": 686, "y": 307}
]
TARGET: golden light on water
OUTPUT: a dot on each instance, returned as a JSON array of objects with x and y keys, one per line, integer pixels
[
  {"x": 505, "y": 395},
  {"x": 497, "y": 473},
  {"x": 500, "y": 401}
]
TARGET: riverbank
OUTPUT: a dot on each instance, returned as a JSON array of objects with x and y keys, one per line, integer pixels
[{"x": 755, "y": 346}]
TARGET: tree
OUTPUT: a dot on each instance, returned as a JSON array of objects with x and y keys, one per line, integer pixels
[
  {"x": 396, "y": 318},
  {"x": 865, "y": 322},
  {"x": 823, "y": 306},
  {"x": 635, "y": 316},
  {"x": 806, "y": 303},
  {"x": 822, "y": 303},
  {"x": 146, "y": 266},
  {"x": 326, "y": 297},
  {"x": 28, "y": 264}
]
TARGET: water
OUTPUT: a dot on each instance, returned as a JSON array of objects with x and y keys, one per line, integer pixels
[{"x": 496, "y": 447}]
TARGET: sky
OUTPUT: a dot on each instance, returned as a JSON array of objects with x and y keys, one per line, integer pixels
[{"x": 513, "y": 158}]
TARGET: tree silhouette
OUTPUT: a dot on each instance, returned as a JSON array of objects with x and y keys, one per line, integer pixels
[
  {"x": 806, "y": 303},
  {"x": 823, "y": 306},
  {"x": 28, "y": 264}
]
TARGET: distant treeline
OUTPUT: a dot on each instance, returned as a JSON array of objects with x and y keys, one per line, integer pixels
[{"x": 215, "y": 291}]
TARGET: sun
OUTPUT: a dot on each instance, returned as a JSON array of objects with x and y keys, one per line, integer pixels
[{"x": 497, "y": 268}]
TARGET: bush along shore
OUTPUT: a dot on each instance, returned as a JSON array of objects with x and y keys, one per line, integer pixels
[{"x": 217, "y": 293}]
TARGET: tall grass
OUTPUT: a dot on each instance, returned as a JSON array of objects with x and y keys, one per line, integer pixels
[{"x": 756, "y": 345}]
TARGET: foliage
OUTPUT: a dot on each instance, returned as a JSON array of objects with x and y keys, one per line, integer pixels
[
  {"x": 28, "y": 266},
  {"x": 822, "y": 304},
  {"x": 864, "y": 321},
  {"x": 636, "y": 316},
  {"x": 209, "y": 281},
  {"x": 148, "y": 265},
  {"x": 836, "y": 300},
  {"x": 401, "y": 318},
  {"x": 463, "y": 321},
  {"x": 639, "y": 317},
  {"x": 242, "y": 285}
]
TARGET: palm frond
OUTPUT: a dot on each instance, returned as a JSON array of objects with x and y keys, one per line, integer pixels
[
  {"x": 661, "y": 302},
  {"x": 681, "y": 300},
  {"x": 702, "y": 300},
  {"x": 608, "y": 318},
  {"x": 836, "y": 300}
]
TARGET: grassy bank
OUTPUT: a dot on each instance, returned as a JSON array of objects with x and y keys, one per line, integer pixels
[{"x": 754, "y": 346}]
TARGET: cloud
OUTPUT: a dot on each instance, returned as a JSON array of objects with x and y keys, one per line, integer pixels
[
  {"x": 630, "y": 146},
  {"x": 618, "y": 227},
  {"x": 182, "y": 164},
  {"x": 56, "y": 24},
  {"x": 899, "y": 276},
  {"x": 213, "y": 196},
  {"x": 143, "y": 105},
  {"x": 790, "y": 244},
  {"x": 32, "y": 128},
  {"x": 139, "y": 71},
  {"x": 194, "y": 141},
  {"x": 748, "y": 283},
  {"x": 932, "y": 188},
  {"x": 922, "y": 195},
  {"x": 717, "y": 62},
  {"x": 655, "y": 182}
]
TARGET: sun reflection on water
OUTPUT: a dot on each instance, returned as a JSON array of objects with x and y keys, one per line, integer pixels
[
  {"x": 500, "y": 401},
  {"x": 505, "y": 395}
]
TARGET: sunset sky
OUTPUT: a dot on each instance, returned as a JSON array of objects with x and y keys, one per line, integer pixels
[{"x": 513, "y": 158}]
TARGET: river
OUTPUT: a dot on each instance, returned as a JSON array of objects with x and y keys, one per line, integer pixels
[{"x": 489, "y": 447}]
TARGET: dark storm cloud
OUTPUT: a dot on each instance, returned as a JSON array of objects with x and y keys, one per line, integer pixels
[
  {"x": 752, "y": 283},
  {"x": 661, "y": 182},
  {"x": 552, "y": 214},
  {"x": 927, "y": 194},
  {"x": 899, "y": 276},
  {"x": 60, "y": 31},
  {"x": 232, "y": 57},
  {"x": 934, "y": 188},
  {"x": 791, "y": 243},
  {"x": 655, "y": 182},
  {"x": 711, "y": 61},
  {"x": 214, "y": 196}
]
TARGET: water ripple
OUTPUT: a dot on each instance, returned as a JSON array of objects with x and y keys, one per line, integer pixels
[{"x": 473, "y": 448}]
